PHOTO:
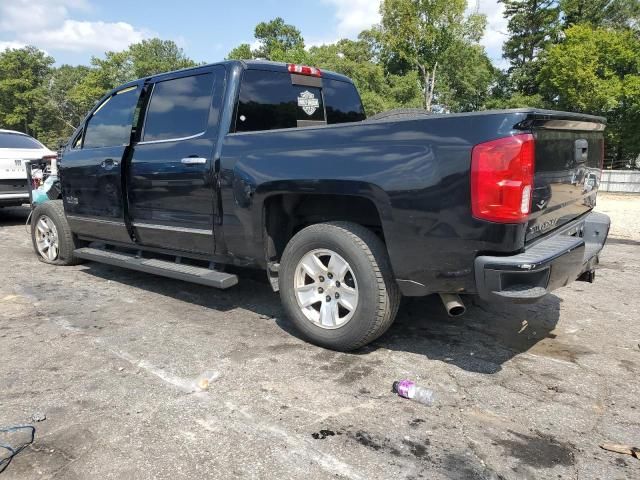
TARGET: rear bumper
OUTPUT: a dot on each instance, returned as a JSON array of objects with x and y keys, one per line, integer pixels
[
  {"x": 13, "y": 199},
  {"x": 550, "y": 263}
]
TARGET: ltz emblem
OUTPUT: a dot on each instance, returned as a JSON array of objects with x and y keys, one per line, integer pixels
[{"x": 308, "y": 102}]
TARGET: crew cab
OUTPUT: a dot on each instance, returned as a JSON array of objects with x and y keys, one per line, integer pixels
[{"x": 275, "y": 166}]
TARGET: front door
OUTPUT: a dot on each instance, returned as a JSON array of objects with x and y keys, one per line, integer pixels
[
  {"x": 171, "y": 174},
  {"x": 91, "y": 169}
]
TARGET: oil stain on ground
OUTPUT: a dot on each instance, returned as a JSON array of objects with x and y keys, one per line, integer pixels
[{"x": 539, "y": 451}]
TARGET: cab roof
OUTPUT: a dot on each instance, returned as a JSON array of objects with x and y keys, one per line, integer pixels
[
  {"x": 246, "y": 64},
  {"x": 283, "y": 67}
]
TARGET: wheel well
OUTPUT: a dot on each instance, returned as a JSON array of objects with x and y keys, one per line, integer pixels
[{"x": 285, "y": 215}]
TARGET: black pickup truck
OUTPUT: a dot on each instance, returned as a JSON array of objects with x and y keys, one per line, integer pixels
[{"x": 275, "y": 166}]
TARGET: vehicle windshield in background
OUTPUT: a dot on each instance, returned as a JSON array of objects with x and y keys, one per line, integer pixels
[{"x": 14, "y": 140}]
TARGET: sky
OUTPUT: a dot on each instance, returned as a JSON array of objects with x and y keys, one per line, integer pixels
[{"x": 73, "y": 31}]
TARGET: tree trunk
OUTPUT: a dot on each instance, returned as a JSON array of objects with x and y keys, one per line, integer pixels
[
  {"x": 432, "y": 84},
  {"x": 425, "y": 80}
]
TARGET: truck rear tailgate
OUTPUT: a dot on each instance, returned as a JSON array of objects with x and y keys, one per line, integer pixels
[{"x": 569, "y": 150}]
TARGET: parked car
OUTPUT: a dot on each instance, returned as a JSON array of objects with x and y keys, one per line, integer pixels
[
  {"x": 275, "y": 166},
  {"x": 16, "y": 149}
]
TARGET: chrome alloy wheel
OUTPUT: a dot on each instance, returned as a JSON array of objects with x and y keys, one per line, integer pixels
[
  {"x": 326, "y": 289},
  {"x": 47, "y": 238}
]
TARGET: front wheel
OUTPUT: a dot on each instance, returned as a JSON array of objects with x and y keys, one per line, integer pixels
[
  {"x": 51, "y": 235},
  {"x": 337, "y": 286}
]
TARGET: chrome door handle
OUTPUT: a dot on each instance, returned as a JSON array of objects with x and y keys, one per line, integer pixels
[
  {"x": 193, "y": 161},
  {"x": 109, "y": 163}
]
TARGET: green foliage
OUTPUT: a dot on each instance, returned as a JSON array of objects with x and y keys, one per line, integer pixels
[
  {"x": 278, "y": 41},
  {"x": 417, "y": 33},
  {"x": 597, "y": 70},
  {"x": 533, "y": 26},
  {"x": 609, "y": 13},
  {"x": 575, "y": 55},
  {"x": 241, "y": 52},
  {"x": 23, "y": 73}
]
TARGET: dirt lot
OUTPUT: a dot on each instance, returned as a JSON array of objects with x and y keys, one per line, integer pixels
[{"x": 108, "y": 356}]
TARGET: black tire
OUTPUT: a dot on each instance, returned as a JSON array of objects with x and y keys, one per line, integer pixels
[
  {"x": 400, "y": 113},
  {"x": 379, "y": 296},
  {"x": 66, "y": 240}
]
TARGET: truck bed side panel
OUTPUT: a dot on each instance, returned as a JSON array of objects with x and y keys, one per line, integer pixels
[{"x": 415, "y": 171}]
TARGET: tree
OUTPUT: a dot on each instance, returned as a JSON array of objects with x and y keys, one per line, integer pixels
[
  {"x": 153, "y": 56},
  {"x": 609, "y": 13},
  {"x": 533, "y": 26},
  {"x": 597, "y": 70},
  {"x": 467, "y": 76},
  {"x": 278, "y": 41},
  {"x": 379, "y": 90},
  {"x": 140, "y": 60},
  {"x": 241, "y": 52},
  {"x": 277, "y": 37},
  {"x": 418, "y": 33},
  {"x": 23, "y": 73}
]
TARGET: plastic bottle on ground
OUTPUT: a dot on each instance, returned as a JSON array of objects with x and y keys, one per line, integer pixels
[{"x": 409, "y": 389}]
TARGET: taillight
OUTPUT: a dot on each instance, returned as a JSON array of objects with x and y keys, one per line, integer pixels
[
  {"x": 304, "y": 70},
  {"x": 502, "y": 179},
  {"x": 49, "y": 158}
]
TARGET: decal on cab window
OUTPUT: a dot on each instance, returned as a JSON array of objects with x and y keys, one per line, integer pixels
[{"x": 308, "y": 102}]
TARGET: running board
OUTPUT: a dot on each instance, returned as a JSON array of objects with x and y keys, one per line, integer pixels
[{"x": 188, "y": 273}]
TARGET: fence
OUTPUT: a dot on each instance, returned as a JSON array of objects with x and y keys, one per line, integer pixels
[{"x": 627, "y": 181}]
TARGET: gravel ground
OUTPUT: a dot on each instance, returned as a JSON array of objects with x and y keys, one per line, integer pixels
[{"x": 106, "y": 359}]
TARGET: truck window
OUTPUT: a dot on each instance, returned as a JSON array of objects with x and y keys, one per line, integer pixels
[
  {"x": 178, "y": 108},
  {"x": 342, "y": 101},
  {"x": 110, "y": 124},
  {"x": 268, "y": 101}
]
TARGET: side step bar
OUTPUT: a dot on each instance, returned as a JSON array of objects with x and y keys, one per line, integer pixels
[{"x": 188, "y": 273}]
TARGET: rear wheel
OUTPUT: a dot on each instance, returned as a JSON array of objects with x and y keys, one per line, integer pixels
[
  {"x": 51, "y": 235},
  {"x": 337, "y": 286}
]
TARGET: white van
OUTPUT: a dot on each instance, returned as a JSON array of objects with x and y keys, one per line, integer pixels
[{"x": 16, "y": 149}]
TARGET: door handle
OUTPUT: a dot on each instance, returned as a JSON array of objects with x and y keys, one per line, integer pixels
[
  {"x": 193, "y": 161},
  {"x": 109, "y": 163}
]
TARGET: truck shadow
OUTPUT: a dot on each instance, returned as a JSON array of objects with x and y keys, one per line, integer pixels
[
  {"x": 486, "y": 337},
  {"x": 483, "y": 339},
  {"x": 11, "y": 216}
]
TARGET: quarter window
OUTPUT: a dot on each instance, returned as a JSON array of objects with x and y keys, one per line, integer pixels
[
  {"x": 179, "y": 108},
  {"x": 110, "y": 124},
  {"x": 343, "y": 102}
]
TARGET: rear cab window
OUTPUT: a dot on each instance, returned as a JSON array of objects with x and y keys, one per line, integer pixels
[{"x": 270, "y": 100}]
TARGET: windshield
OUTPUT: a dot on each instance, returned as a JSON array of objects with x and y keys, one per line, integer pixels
[{"x": 15, "y": 140}]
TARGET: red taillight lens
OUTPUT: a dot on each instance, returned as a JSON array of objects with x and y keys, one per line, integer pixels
[
  {"x": 49, "y": 158},
  {"x": 502, "y": 179},
  {"x": 304, "y": 70}
]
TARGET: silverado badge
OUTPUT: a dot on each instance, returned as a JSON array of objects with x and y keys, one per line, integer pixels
[{"x": 308, "y": 102}]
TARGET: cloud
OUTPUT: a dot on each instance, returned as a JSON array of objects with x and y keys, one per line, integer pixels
[
  {"x": 6, "y": 45},
  {"x": 496, "y": 33},
  {"x": 355, "y": 15},
  {"x": 46, "y": 24},
  {"x": 79, "y": 36}
]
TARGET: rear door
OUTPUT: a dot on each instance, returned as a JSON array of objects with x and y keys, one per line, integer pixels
[
  {"x": 171, "y": 171},
  {"x": 568, "y": 162},
  {"x": 91, "y": 169}
]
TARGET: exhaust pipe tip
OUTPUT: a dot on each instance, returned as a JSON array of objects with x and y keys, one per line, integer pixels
[{"x": 453, "y": 304}]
